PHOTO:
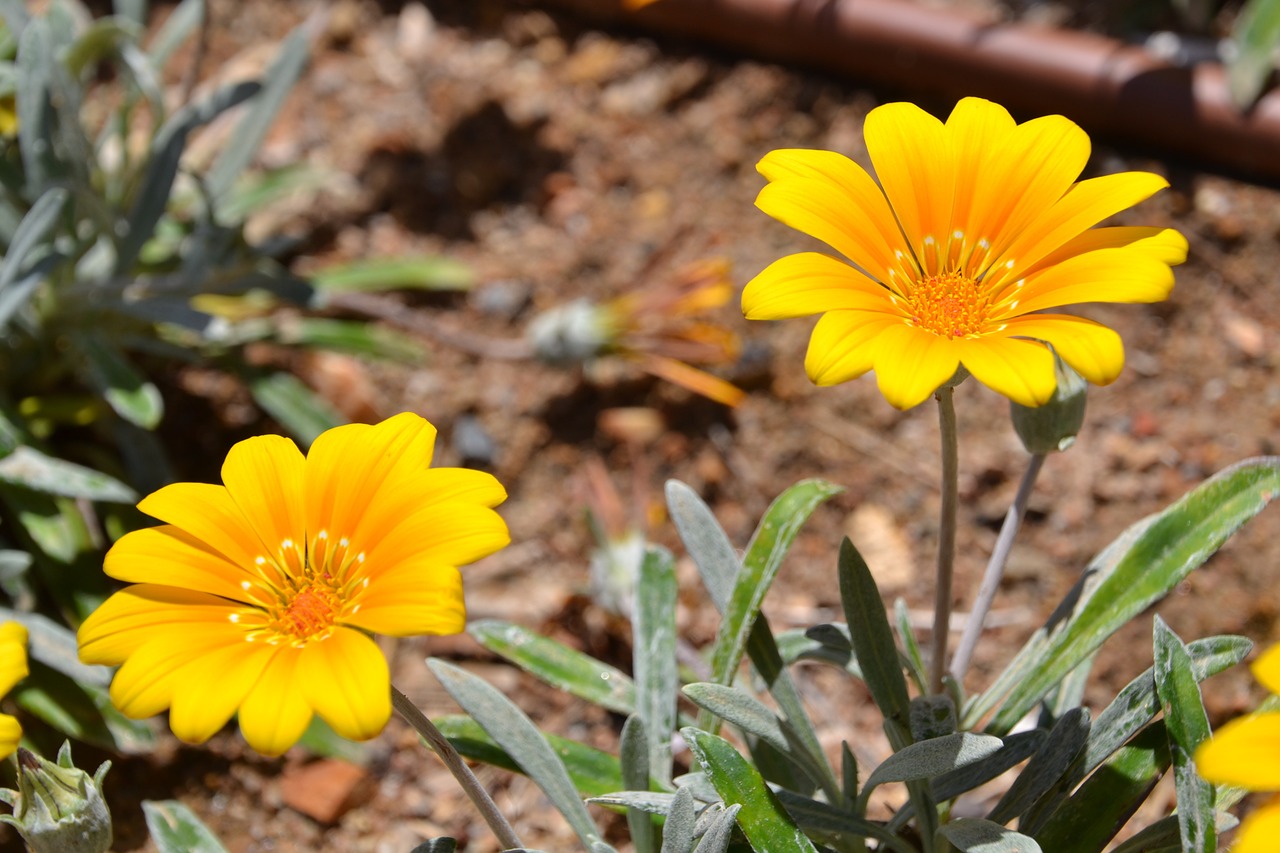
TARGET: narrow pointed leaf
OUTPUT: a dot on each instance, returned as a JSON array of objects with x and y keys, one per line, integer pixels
[
  {"x": 654, "y": 663},
  {"x": 703, "y": 538},
  {"x": 177, "y": 28},
  {"x": 558, "y": 665},
  {"x": 519, "y": 737},
  {"x": 929, "y": 758},
  {"x": 1046, "y": 768},
  {"x": 1188, "y": 726},
  {"x": 430, "y": 273},
  {"x": 831, "y": 825},
  {"x": 1171, "y": 544},
  {"x": 910, "y": 647},
  {"x": 31, "y": 469},
  {"x": 872, "y": 638},
  {"x": 129, "y": 394},
  {"x": 718, "y": 835},
  {"x": 762, "y": 818},
  {"x": 633, "y": 756},
  {"x": 298, "y": 409},
  {"x": 1255, "y": 35},
  {"x": 971, "y": 835},
  {"x": 682, "y": 818}
]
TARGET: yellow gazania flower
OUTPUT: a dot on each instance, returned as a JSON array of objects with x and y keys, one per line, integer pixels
[
  {"x": 255, "y": 596},
  {"x": 976, "y": 225},
  {"x": 13, "y": 668},
  {"x": 1246, "y": 752}
]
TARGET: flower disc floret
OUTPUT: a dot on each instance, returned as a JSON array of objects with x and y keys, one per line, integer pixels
[
  {"x": 975, "y": 228},
  {"x": 275, "y": 579}
]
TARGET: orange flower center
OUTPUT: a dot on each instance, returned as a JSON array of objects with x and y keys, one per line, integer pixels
[
  {"x": 950, "y": 305},
  {"x": 303, "y": 593}
]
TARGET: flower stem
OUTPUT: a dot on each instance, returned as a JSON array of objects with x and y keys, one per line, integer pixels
[
  {"x": 995, "y": 569},
  {"x": 946, "y": 535},
  {"x": 470, "y": 784}
]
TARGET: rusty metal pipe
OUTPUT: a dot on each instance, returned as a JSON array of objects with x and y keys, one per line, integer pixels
[{"x": 1113, "y": 89}]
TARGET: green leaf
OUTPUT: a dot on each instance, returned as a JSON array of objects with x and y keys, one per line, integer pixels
[
  {"x": 1137, "y": 704},
  {"x": 184, "y": 20},
  {"x": 1188, "y": 726},
  {"x": 720, "y": 832},
  {"x": 972, "y": 835},
  {"x": 557, "y": 664},
  {"x": 703, "y": 538},
  {"x": 16, "y": 282},
  {"x": 633, "y": 756},
  {"x": 751, "y": 716},
  {"x": 245, "y": 140},
  {"x": 762, "y": 818},
  {"x": 832, "y": 825},
  {"x": 426, "y": 273},
  {"x": 36, "y": 116},
  {"x": 30, "y": 469},
  {"x": 828, "y": 643},
  {"x": 54, "y": 645},
  {"x": 929, "y": 758},
  {"x": 911, "y": 649},
  {"x": 1087, "y": 820},
  {"x": 682, "y": 819},
  {"x": 1256, "y": 34},
  {"x": 80, "y": 711},
  {"x": 176, "y": 829},
  {"x": 654, "y": 656},
  {"x": 511, "y": 729},
  {"x": 1046, "y": 770},
  {"x": 128, "y": 393},
  {"x": 298, "y": 409},
  {"x": 320, "y": 739},
  {"x": 594, "y": 772},
  {"x": 369, "y": 340},
  {"x": 1122, "y": 582},
  {"x": 872, "y": 639}
]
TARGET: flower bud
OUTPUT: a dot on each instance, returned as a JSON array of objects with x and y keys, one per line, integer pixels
[
  {"x": 59, "y": 808},
  {"x": 573, "y": 333},
  {"x": 1053, "y": 426}
]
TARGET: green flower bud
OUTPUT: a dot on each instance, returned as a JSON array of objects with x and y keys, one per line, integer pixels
[
  {"x": 59, "y": 808},
  {"x": 1053, "y": 426}
]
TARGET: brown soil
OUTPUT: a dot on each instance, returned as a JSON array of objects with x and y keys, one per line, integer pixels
[{"x": 560, "y": 161}]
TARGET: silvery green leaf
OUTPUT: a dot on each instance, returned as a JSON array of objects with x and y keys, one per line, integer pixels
[
  {"x": 36, "y": 115},
  {"x": 633, "y": 757},
  {"x": 1188, "y": 726},
  {"x": 1137, "y": 704},
  {"x": 16, "y": 273},
  {"x": 1255, "y": 35},
  {"x": 654, "y": 656},
  {"x": 824, "y": 643},
  {"x": 1017, "y": 748},
  {"x": 516, "y": 733},
  {"x": 557, "y": 664},
  {"x": 176, "y": 829},
  {"x": 832, "y": 825},
  {"x": 129, "y": 394},
  {"x": 929, "y": 758},
  {"x": 1047, "y": 767},
  {"x": 177, "y": 27},
  {"x": 298, "y": 409},
  {"x": 682, "y": 818},
  {"x": 1158, "y": 553},
  {"x": 706, "y": 542},
  {"x": 972, "y": 835},
  {"x": 649, "y": 802},
  {"x": 244, "y": 142},
  {"x": 910, "y": 647},
  {"x": 32, "y": 469},
  {"x": 17, "y": 293},
  {"x": 720, "y": 831}
]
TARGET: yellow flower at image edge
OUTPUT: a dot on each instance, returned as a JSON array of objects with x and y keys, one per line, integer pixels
[
  {"x": 1246, "y": 753},
  {"x": 13, "y": 668},
  {"x": 975, "y": 227},
  {"x": 256, "y": 597}
]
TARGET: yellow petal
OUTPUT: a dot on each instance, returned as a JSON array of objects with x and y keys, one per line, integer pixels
[
  {"x": 452, "y": 534},
  {"x": 1023, "y": 371},
  {"x": 208, "y": 513},
  {"x": 1165, "y": 245},
  {"x": 841, "y": 348},
  {"x": 915, "y": 162},
  {"x": 173, "y": 557},
  {"x": 1093, "y": 350},
  {"x": 10, "y": 735},
  {"x": 1084, "y": 205},
  {"x": 348, "y": 466},
  {"x": 412, "y": 598},
  {"x": 1244, "y": 752},
  {"x": 828, "y": 196},
  {"x": 811, "y": 283},
  {"x": 13, "y": 655},
  {"x": 134, "y": 615},
  {"x": 1267, "y": 669},
  {"x": 1107, "y": 275},
  {"x": 275, "y": 713},
  {"x": 264, "y": 477},
  {"x": 911, "y": 364},
  {"x": 1023, "y": 177},
  {"x": 147, "y": 682},
  {"x": 1259, "y": 831},
  {"x": 346, "y": 680},
  {"x": 202, "y": 705}
]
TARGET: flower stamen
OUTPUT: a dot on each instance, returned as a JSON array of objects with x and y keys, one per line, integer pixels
[{"x": 950, "y": 305}]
